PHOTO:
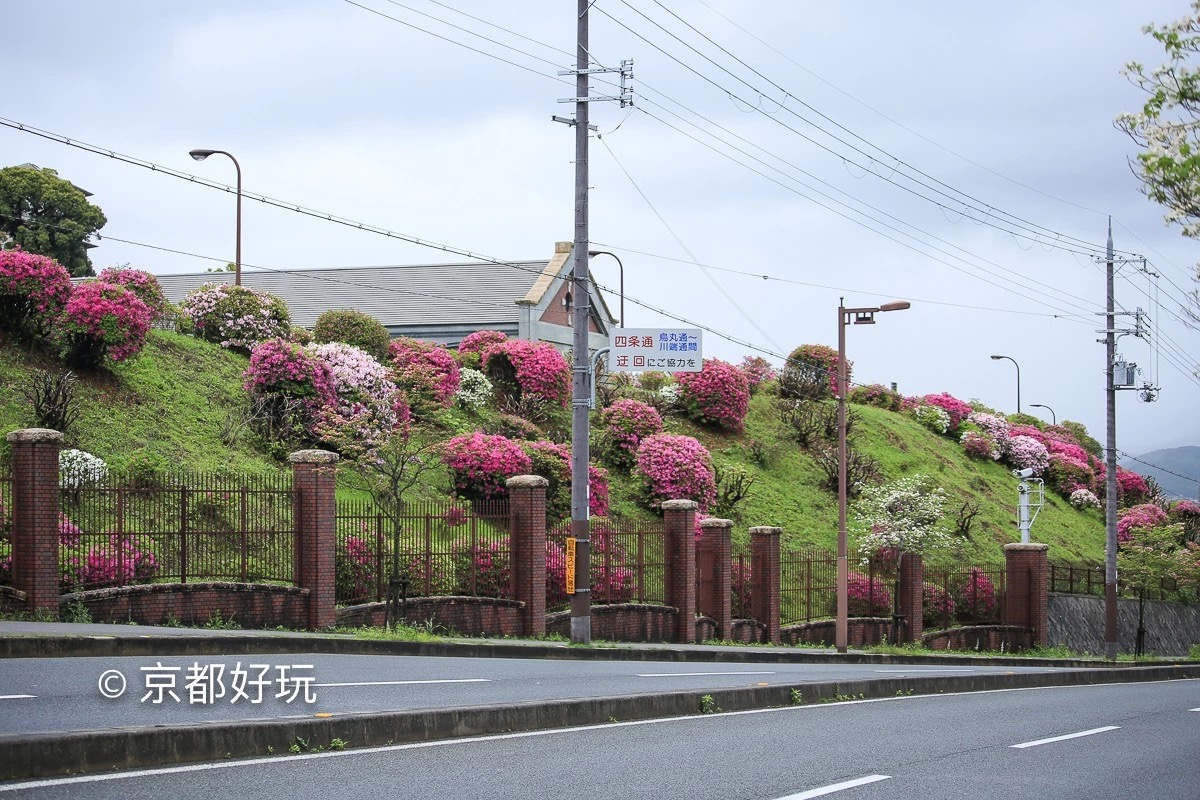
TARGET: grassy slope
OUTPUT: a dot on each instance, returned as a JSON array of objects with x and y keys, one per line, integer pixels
[{"x": 173, "y": 399}]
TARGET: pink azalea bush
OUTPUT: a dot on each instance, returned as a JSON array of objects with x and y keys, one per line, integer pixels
[
  {"x": 426, "y": 372},
  {"x": 481, "y": 569},
  {"x": 111, "y": 564},
  {"x": 481, "y": 463},
  {"x": 975, "y": 597},
  {"x": 625, "y": 424},
  {"x": 1186, "y": 513},
  {"x": 979, "y": 445},
  {"x": 142, "y": 284},
  {"x": 757, "y": 371},
  {"x": 33, "y": 290},
  {"x": 816, "y": 360},
  {"x": 1140, "y": 517},
  {"x": 235, "y": 317},
  {"x": 101, "y": 319},
  {"x": 470, "y": 349},
  {"x": 1025, "y": 452},
  {"x": 717, "y": 395},
  {"x": 937, "y": 606},
  {"x": 957, "y": 409},
  {"x": 675, "y": 468},
  {"x": 995, "y": 428},
  {"x": 1132, "y": 488},
  {"x": 520, "y": 369},
  {"x": 553, "y": 462},
  {"x": 867, "y": 597},
  {"x": 296, "y": 384}
]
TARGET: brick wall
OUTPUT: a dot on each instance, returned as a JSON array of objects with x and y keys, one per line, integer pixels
[
  {"x": 1025, "y": 589},
  {"x": 911, "y": 601},
  {"x": 623, "y": 622},
  {"x": 679, "y": 521},
  {"x": 860, "y": 631},
  {"x": 315, "y": 515},
  {"x": 35, "y": 516},
  {"x": 469, "y": 616},
  {"x": 250, "y": 605},
  {"x": 527, "y": 537},
  {"x": 765, "y": 577}
]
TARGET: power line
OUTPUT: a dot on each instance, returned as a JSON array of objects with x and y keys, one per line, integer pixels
[{"x": 1157, "y": 467}]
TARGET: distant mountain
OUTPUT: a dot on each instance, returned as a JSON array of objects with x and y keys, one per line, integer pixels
[{"x": 1183, "y": 460}]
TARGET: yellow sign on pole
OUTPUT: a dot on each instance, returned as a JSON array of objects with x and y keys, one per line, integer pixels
[{"x": 570, "y": 565}]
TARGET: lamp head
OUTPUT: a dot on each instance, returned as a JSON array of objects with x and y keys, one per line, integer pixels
[
  {"x": 997, "y": 358},
  {"x": 200, "y": 154},
  {"x": 896, "y": 305}
]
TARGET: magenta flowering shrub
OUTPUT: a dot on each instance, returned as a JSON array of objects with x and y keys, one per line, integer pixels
[
  {"x": 675, "y": 468},
  {"x": 612, "y": 581},
  {"x": 520, "y": 369},
  {"x": 1132, "y": 488},
  {"x": 876, "y": 395},
  {"x": 111, "y": 564},
  {"x": 757, "y": 371},
  {"x": 1141, "y": 517},
  {"x": 979, "y": 445},
  {"x": 33, "y": 289},
  {"x": 1030, "y": 431},
  {"x": 716, "y": 395},
  {"x": 625, "y": 424},
  {"x": 483, "y": 569},
  {"x": 975, "y": 599},
  {"x": 1186, "y": 513},
  {"x": 69, "y": 533},
  {"x": 481, "y": 463},
  {"x": 294, "y": 385},
  {"x": 236, "y": 317},
  {"x": 1066, "y": 475},
  {"x": 142, "y": 284},
  {"x": 470, "y": 349},
  {"x": 957, "y": 409},
  {"x": 867, "y": 597},
  {"x": 354, "y": 569},
  {"x": 426, "y": 372},
  {"x": 741, "y": 582},
  {"x": 101, "y": 319},
  {"x": 553, "y": 462},
  {"x": 937, "y": 606},
  {"x": 1027, "y": 453},
  {"x": 995, "y": 428}
]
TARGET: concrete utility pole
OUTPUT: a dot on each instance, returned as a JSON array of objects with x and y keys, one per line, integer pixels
[{"x": 1110, "y": 457}]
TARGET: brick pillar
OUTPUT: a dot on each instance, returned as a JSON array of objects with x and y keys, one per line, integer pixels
[
  {"x": 527, "y": 537},
  {"x": 716, "y": 541},
  {"x": 912, "y": 597},
  {"x": 315, "y": 518},
  {"x": 765, "y": 578},
  {"x": 35, "y": 516},
  {"x": 679, "y": 526},
  {"x": 1025, "y": 574}
]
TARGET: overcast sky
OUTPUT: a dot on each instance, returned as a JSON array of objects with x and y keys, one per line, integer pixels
[{"x": 1004, "y": 108}]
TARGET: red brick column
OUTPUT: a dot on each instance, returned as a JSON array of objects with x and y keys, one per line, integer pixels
[
  {"x": 912, "y": 597},
  {"x": 35, "y": 516},
  {"x": 1025, "y": 588},
  {"x": 765, "y": 578},
  {"x": 315, "y": 518},
  {"x": 679, "y": 526},
  {"x": 716, "y": 542},
  {"x": 527, "y": 537}
]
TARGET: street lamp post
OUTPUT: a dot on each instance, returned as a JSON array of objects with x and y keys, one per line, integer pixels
[
  {"x": 1053, "y": 416},
  {"x": 847, "y": 316},
  {"x": 621, "y": 268},
  {"x": 1018, "y": 366},
  {"x": 200, "y": 155}
]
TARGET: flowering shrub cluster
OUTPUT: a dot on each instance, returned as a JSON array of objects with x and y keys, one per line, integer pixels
[
  {"x": 109, "y": 565},
  {"x": 482, "y": 569},
  {"x": 77, "y": 468},
  {"x": 811, "y": 371},
  {"x": 626, "y": 423},
  {"x": 1083, "y": 498},
  {"x": 937, "y": 605},
  {"x": 903, "y": 515},
  {"x": 144, "y": 285},
  {"x": 675, "y": 468},
  {"x": 481, "y": 464},
  {"x": 1025, "y": 452},
  {"x": 293, "y": 383},
  {"x": 349, "y": 326},
  {"x": 1140, "y": 517},
  {"x": 521, "y": 369},
  {"x": 934, "y": 418},
  {"x": 553, "y": 462},
  {"x": 995, "y": 428},
  {"x": 1132, "y": 488},
  {"x": 235, "y": 317},
  {"x": 368, "y": 405},
  {"x": 979, "y": 445},
  {"x": 716, "y": 395},
  {"x": 426, "y": 372},
  {"x": 470, "y": 349},
  {"x": 612, "y": 581},
  {"x": 33, "y": 289},
  {"x": 955, "y": 408},
  {"x": 757, "y": 371},
  {"x": 474, "y": 389},
  {"x": 975, "y": 597},
  {"x": 353, "y": 569},
  {"x": 867, "y": 597},
  {"x": 876, "y": 395},
  {"x": 101, "y": 319}
]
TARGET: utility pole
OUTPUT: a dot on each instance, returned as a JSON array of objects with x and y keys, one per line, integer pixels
[{"x": 1110, "y": 454}]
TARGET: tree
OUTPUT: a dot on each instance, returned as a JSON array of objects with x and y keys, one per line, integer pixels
[
  {"x": 44, "y": 214},
  {"x": 1152, "y": 555}
]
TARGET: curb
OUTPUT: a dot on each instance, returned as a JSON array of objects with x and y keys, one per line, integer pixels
[
  {"x": 29, "y": 756},
  {"x": 100, "y": 646}
]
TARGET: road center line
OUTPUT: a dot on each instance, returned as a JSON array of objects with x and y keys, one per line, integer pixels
[
  {"x": 1093, "y": 731},
  {"x": 1194, "y": 709},
  {"x": 407, "y": 683},
  {"x": 32, "y": 696},
  {"x": 836, "y": 787},
  {"x": 695, "y": 674}
]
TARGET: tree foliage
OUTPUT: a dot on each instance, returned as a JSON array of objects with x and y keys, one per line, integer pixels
[{"x": 44, "y": 214}]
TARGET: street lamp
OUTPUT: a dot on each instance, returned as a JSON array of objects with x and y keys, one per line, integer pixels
[
  {"x": 200, "y": 155},
  {"x": 620, "y": 267},
  {"x": 1053, "y": 416},
  {"x": 1018, "y": 366},
  {"x": 847, "y": 316}
]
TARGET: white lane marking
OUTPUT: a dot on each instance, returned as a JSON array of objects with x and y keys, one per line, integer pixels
[
  {"x": 17, "y": 696},
  {"x": 1092, "y": 732},
  {"x": 407, "y": 683},
  {"x": 836, "y": 787},
  {"x": 254, "y": 762},
  {"x": 1194, "y": 709},
  {"x": 930, "y": 669},
  {"x": 694, "y": 674}
]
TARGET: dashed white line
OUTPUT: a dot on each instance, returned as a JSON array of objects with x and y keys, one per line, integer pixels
[
  {"x": 17, "y": 696},
  {"x": 1194, "y": 709},
  {"x": 694, "y": 674},
  {"x": 408, "y": 683},
  {"x": 1092, "y": 732},
  {"x": 836, "y": 787}
]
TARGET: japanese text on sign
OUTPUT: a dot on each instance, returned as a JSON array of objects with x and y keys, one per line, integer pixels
[
  {"x": 570, "y": 565},
  {"x": 657, "y": 349}
]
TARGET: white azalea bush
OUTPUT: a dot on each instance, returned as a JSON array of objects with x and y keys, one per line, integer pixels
[
  {"x": 902, "y": 516},
  {"x": 474, "y": 391},
  {"x": 77, "y": 468}
]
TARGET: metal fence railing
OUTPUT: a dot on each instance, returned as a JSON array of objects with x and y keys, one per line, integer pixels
[
  {"x": 627, "y": 563},
  {"x": 963, "y": 595},
  {"x": 808, "y": 586}
]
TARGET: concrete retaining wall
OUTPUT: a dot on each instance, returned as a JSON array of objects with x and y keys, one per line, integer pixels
[{"x": 1077, "y": 622}]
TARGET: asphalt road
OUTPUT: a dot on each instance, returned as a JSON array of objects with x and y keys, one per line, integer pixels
[
  {"x": 60, "y": 694},
  {"x": 1112, "y": 742}
]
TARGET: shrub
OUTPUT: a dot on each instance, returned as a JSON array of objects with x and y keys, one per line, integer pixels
[
  {"x": 867, "y": 597},
  {"x": 144, "y": 285},
  {"x": 757, "y": 371},
  {"x": 513, "y": 427},
  {"x": 876, "y": 395},
  {"x": 625, "y": 424},
  {"x": 481, "y": 464},
  {"x": 236, "y": 317},
  {"x": 934, "y": 418},
  {"x": 109, "y": 565},
  {"x": 77, "y": 468},
  {"x": 1067, "y": 475},
  {"x": 1080, "y": 436},
  {"x": 293, "y": 386},
  {"x": 717, "y": 395},
  {"x": 33, "y": 290},
  {"x": 481, "y": 569},
  {"x": 1083, "y": 498},
  {"x": 653, "y": 381},
  {"x": 520, "y": 369},
  {"x": 675, "y": 468},
  {"x": 299, "y": 335},
  {"x": 975, "y": 597},
  {"x": 1028, "y": 453},
  {"x": 474, "y": 390},
  {"x": 348, "y": 326},
  {"x": 427, "y": 373},
  {"x": 553, "y": 462},
  {"x": 470, "y": 349},
  {"x": 1141, "y": 517},
  {"x": 937, "y": 606},
  {"x": 365, "y": 411},
  {"x": 993, "y": 426},
  {"x": 1132, "y": 488},
  {"x": 1186, "y": 513},
  {"x": 955, "y": 408},
  {"x": 811, "y": 373},
  {"x": 101, "y": 319},
  {"x": 979, "y": 445},
  {"x": 52, "y": 398}
]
